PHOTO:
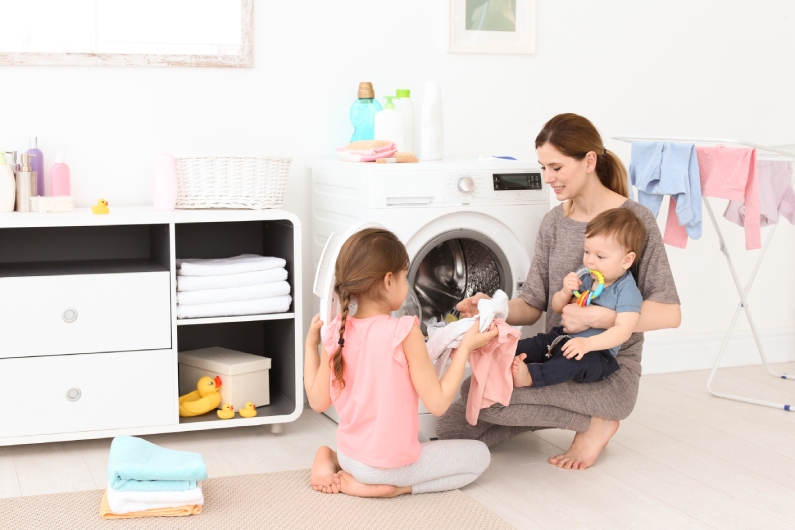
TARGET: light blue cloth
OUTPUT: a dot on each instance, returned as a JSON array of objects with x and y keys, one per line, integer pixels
[
  {"x": 137, "y": 465},
  {"x": 668, "y": 168},
  {"x": 622, "y": 296}
]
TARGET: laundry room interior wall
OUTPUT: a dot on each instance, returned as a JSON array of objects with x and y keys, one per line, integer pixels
[{"x": 721, "y": 69}]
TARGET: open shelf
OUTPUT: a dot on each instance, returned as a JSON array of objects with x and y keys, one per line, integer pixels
[
  {"x": 99, "y": 266},
  {"x": 280, "y": 406},
  {"x": 244, "y": 318}
]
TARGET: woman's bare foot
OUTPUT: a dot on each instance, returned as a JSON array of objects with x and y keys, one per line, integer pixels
[
  {"x": 323, "y": 469},
  {"x": 520, "y": 373},
  {"x": 587, "y": 446},
  {"x": 350, "y": 486}
]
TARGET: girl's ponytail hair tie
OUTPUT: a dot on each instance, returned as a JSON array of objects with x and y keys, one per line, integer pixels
[{"x": 341, "y": 342}]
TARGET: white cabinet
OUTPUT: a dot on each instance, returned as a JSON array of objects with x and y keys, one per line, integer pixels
[{"x": 89, "y": 338}]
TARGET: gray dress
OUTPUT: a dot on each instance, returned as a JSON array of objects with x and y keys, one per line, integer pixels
[{"x": 558, "y": 251}]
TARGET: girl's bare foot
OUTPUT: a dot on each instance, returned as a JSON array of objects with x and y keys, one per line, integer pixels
[
  {"x": 520, "y": 373},
  {"x": 350, "y": 486},
  {"x": 587, "y": 446},
  {"x": 323, "y": 469}
]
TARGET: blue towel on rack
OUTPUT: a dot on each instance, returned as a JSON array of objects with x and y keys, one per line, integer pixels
[
  {"x": 668, "y": 168},
  {"x": 137, "y": 465}
]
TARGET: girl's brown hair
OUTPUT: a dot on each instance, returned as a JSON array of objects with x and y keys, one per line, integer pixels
[
  {"x": 575, "y": 136},
  {"x": 364, "y": 259}
]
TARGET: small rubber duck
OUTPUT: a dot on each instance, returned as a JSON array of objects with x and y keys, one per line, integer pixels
[
  {"x": 249, "y": 411},
  {"x": 101, "y": 207},
  {"x": 227, "y": 412}
]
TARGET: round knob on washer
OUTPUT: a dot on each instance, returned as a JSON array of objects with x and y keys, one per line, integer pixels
[
  {"x": 69, "y": 316},
  {"x": 465, "y": 185},
  {"x": 73, "y": 394}
]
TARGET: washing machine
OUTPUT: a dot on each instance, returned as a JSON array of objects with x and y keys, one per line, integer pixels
[{"x": 468, "y": 227}]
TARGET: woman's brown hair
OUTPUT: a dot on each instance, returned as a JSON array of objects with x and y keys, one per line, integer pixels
[
  {"x": 575, "y": 137},
  {"x": 364, "y": 259}
]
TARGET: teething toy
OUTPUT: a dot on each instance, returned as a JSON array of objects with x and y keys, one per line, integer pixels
[{"x": 586, "y": 297}]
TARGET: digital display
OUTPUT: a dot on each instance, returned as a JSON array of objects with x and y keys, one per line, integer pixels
[{"x": 517, "y": 181}]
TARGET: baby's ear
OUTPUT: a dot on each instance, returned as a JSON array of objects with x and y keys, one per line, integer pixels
[{"x": 629, "y": 259}]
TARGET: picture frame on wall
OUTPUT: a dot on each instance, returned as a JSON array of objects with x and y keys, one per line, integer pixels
[{"x": 491, "y": 26}]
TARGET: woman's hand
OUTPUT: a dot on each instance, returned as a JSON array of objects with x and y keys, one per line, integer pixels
[
  {"x": 575, "y": 319},
  {"x": 473, "y": 339},
  {"x": 313, "y": 335},
  {"x": 468, "y": 307}
]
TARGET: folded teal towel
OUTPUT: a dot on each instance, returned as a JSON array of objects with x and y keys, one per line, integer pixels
[{"x": 137, "y": 465}]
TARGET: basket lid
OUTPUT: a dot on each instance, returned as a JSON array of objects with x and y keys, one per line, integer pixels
[{"x": 224, "y": 360}]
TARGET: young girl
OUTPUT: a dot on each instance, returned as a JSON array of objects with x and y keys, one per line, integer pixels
[{"x": 372, "y": 367}]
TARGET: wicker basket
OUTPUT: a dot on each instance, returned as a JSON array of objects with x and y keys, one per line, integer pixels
[{"x": 254, "y": 182}]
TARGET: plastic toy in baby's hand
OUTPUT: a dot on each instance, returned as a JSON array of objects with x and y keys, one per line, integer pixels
[
  {"x": 586, "y": 297},
  {"x": 204, "y": 399},
  {"x": 249, "y": 410},
  {"x": 227, "y": 412}
]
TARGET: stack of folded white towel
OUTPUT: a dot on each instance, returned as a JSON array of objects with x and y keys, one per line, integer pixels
[{"x": 243, "y": 285}]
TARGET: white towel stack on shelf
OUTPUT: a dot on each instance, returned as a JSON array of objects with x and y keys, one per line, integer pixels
[{"x": 243, "y": 285}]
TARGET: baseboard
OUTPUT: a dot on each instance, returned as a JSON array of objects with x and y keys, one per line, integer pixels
[{"x": 698, "y": 352}]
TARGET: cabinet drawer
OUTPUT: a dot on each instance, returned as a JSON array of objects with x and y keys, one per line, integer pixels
[
  {"x": 73, "y": 393},
  {"x": 84, "y": 313}
]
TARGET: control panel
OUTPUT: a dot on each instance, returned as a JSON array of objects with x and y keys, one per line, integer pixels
[{"x": 491, "y": 186}]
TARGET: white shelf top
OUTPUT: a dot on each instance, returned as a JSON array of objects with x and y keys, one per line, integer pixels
[
  {"x": 131, "y": 215},
  {"x": 245, "y": 318}
]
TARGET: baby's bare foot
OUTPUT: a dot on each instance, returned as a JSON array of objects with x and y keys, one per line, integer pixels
[
  {"x": 520, "y": 373},
  {"x": 323, "y": 468},
  {"x": 350, "y": 486}
]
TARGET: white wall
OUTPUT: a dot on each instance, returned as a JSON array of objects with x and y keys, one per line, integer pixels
[{"x": 707, "y": 68}]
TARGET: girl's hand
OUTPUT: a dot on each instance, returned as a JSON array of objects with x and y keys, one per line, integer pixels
[
  {"x": 313, "y": 335},
  {"x": 571, "y": 282},
  {"x": 468, "y": 307},
  {"x": 473, "y": 339},
  {"x": 576, "y": 348}
]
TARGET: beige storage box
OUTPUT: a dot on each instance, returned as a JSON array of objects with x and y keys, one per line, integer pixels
[{"x": 244, "y": 377}]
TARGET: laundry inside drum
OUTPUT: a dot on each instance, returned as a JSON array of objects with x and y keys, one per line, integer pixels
[{"x": 451, "y": 271}]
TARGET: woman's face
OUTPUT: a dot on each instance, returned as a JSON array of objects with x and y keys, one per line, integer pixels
[{"x": 565, "y": 175}]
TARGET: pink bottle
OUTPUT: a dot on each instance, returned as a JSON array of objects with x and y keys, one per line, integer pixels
[
  {"x": 164, "y": 183},
  {"x": 60, "y": 177}
]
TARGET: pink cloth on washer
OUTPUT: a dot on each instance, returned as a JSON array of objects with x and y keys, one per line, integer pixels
[
  {"x": 491, "y": 371},
  {"x": 726, "y": 173},
  {"x": 367, "y": 155},
  {"x": 776, "y": 196}
]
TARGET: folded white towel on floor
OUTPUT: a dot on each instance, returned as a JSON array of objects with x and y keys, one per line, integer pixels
[
  {"x": 221, "y": 267},
  {"x": 196, "y": 283},
  {"x": 138, "y": 501},
  {"x": 259, "y": 306},
  {"x": 233, "y": 294}
]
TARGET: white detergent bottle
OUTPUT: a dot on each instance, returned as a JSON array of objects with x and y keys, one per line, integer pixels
[
  {"x": 431, "y": 124},
  {"x": 8, "y": 186},
  {"x": 406, "y": 109},
  {"x": 389, "y": 124}
]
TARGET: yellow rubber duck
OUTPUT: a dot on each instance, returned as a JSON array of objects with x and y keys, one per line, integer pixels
[
  {"x": 249, "y": 411},
  {"x": 101, "y": 207},
  {"x": 204, "y": 399},
  {"x": 227, "y": 412}
]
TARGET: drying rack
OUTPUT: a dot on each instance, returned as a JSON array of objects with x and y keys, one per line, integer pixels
[{"x": 764, "y": 152}]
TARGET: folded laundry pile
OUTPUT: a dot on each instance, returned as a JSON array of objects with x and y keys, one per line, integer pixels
[
  {"x": 145, "y": 480},
  {"x": 243, "y": 285}
]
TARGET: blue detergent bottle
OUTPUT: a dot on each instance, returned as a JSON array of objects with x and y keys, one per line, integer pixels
[{"x": 363, "y": 113}]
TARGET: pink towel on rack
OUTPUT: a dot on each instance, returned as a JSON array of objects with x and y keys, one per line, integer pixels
[
  {"x": 776, "y": 196},
  {"x": 726, "y": 173}
]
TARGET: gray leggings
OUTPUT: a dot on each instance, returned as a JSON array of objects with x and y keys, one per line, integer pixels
[{"x": 443, "y": 465}]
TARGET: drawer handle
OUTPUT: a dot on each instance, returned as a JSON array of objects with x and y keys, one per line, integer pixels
[
  {"x": 70, "y": 315},
  {"x": 73, "y": 394}
]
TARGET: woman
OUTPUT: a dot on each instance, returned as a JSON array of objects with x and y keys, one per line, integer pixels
[{"x": 590, "y": 180}]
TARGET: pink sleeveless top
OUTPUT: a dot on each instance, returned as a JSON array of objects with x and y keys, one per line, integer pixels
[{"x": 378, "y": 406}]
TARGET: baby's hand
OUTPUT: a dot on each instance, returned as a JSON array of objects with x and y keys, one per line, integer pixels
[
  {"x": 313, "y": 335},
  {"x": 571, "y": 282},
  {"x": 575, "y": 348}
]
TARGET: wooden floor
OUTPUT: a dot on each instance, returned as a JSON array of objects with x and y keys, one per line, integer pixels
[{"x": 682, "y": 460}]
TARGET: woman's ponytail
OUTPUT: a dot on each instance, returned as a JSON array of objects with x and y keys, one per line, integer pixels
[{"x": 612, "y": 173}]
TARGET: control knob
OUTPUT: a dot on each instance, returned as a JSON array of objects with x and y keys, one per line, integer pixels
[{"x": 465, "y": 185}]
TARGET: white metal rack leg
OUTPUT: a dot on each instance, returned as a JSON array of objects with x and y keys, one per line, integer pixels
[{"x": 743, "y": 305}]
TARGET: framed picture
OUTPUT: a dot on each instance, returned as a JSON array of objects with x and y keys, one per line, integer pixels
[{"x": 492, "y": 26}]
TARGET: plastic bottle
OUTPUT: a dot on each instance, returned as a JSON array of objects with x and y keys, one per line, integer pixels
[
  {"x": 59, "y": 176},
  {"x": 37, "y": 164},
  {"x": 8, "y": 186},
  {"x": 389, "y": 124},
  {"x": 406, "y": 109},
  {"x": 363, "y": 113},
  {"x": 164, "y": 183},
  {"x": 431, "y": 124}
]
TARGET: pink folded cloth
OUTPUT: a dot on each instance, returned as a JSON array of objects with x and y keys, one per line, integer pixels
[{"x": 367, "y": 155}]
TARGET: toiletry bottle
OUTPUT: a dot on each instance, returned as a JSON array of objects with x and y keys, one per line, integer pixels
[
  {"x": 406, "y": 109},
  {"x": 26, "y": 183},
  {"x": 8, "y": 186},
  {"x": 431, "y": 125},
  {"x": 164, "y": 183},
  {"x": 59, "y": 176},
  {"x": 38, "y": 165},
  {"x": 389, "y": 124},
  {"x": 363, "y": 113}
]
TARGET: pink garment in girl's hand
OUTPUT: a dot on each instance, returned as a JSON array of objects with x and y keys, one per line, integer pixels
[{"x": 491, "y": 371}]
